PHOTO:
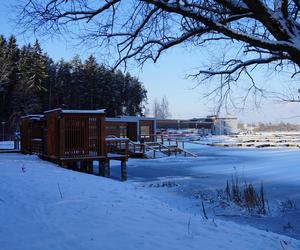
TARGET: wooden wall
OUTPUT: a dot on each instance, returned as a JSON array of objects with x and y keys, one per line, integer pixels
[
  {"x": 148, "y": 125},
  {"x": 75, "y": 135}
]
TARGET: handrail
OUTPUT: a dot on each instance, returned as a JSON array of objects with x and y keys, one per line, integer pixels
[
  {"x": 114, "y": 140},
  {"x": 146, "y": 146},
  {"x": 187, "y": 152}
]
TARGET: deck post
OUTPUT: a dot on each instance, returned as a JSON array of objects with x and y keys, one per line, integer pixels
[
  {"x": 101, "y": 168},
  {"x": 84, "y": 166},
  {"x": 71, "y": 165},
  {"x": 90, "y": 167},
  {"x": 106, "y": 168},
  {"x": 123, "y": 171}
]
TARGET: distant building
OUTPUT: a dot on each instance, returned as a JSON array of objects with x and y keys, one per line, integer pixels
[
  {"x": 209, "y": 125},
  {"x": 133, "y": 127},
  {"x": 224, "y": 125}
]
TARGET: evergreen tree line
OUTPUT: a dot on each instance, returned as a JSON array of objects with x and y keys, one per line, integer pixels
[{"x": 31, "y": 82}]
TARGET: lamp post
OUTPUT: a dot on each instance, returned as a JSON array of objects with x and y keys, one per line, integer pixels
[{"x": 3, "y": 123}]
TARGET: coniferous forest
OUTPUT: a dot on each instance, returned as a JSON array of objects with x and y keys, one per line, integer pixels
[{"x": 31, "y": 82}]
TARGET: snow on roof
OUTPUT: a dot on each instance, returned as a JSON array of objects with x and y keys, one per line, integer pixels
[
  {"x": 128, "y": 119},
  {"x": 37, "y": 116},
  {"x": 147, "y": 118},
  {"x": 116, "y": 139},
  {"x": 77, "y": 111}
]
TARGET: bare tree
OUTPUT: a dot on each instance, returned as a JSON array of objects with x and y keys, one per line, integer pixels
[
  {"x": 264, "y": 32},
  {"x": 157, "y": 112},
  {"x": 146, "y": 111},
  {"x": 165, "y": 108},
  {"x": 161, "y": 109}
]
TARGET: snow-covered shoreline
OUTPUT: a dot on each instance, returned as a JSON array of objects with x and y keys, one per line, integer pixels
[{"x": 43, "y": 206}]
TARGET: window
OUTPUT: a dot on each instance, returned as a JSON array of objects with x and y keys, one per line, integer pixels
[
  {"x": 145, "y": 130},
  {"x": 123, "y": 131}
]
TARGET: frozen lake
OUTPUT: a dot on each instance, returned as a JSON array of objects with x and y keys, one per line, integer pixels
[{"x": 190, "y": 178}]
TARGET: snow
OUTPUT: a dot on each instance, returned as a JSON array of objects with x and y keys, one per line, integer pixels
[
  {"x": 129, "y": 119},
  {"x": 70, "y": 111},
  {"x": 36, "y": 116},
  {"x": 6, "y": 144},
  {"x": 77, "y": 111},
  {"x": 116, "y": 139},
  {"x": 43, "y": 206}
]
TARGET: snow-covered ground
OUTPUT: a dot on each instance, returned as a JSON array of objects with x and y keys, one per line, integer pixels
[
  {"x": 6, "y": 144},
  {"x": 43, "y": 206}
]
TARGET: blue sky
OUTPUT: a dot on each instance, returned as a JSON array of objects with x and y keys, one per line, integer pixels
[{"x": 168, "y": 78}]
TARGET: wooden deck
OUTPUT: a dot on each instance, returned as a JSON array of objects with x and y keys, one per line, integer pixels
[{"x": 156, "y": 150}]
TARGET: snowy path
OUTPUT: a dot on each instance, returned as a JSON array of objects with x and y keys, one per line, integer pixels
[{"x": 46, "y": 207}]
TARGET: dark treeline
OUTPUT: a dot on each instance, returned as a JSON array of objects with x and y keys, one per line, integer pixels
[{"x": 31, "y": 82}]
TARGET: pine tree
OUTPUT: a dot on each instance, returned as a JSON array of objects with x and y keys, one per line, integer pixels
[
  {"x": 11, "y": 55},
  {"x": 75, "y": 87},
  {"x": 63, "y": 88},
  {"x": 49, "y": 84},
  {"x": 3, "y": 79},
  {"x": 91, "y": 68},
  {"x": 30, "y": 82}
]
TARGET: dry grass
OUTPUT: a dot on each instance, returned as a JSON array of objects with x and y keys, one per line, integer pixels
[{"x": 246, "y": 195}]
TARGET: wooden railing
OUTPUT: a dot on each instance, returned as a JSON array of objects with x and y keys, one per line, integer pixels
[
  {"x": 146, "y": 149},
  {"x": 117, "y": 146},
  {"x": 36, "y": 145},
  {"x": 169, "y": 140}
]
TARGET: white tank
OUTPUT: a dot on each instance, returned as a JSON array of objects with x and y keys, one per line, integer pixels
[{"x": 225, "y": 126}]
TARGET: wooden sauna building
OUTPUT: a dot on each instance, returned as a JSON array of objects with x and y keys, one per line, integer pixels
[
  {"x": 32, "y": 133},
  {"x": 135, "y": 128},
  {"x": 73, "y": 139}
]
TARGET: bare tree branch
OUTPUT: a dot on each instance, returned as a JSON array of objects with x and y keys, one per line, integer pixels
[{"x": 268, "y": 31}]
